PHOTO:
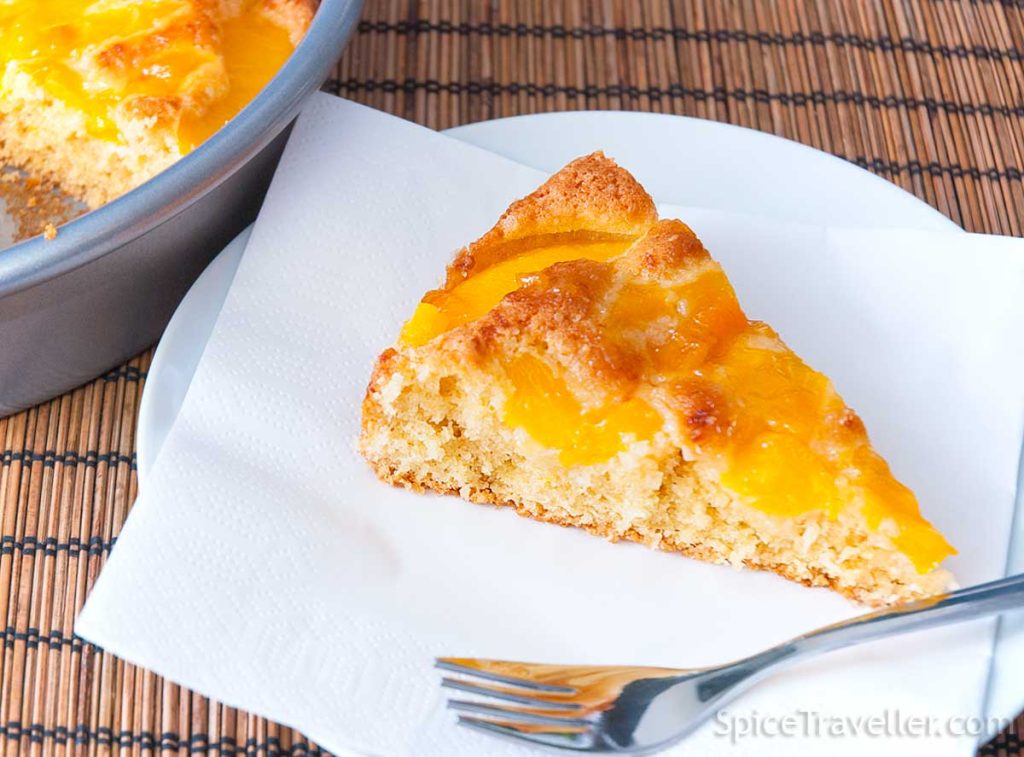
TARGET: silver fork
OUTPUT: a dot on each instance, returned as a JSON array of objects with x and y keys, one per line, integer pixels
[{"x": 640, "y": 710}]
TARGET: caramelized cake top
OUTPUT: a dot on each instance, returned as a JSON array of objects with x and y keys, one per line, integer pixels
[{"x": 609, "y": 327}]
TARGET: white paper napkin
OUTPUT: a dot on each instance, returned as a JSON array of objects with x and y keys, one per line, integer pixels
[{"x": 264, "y": 566}]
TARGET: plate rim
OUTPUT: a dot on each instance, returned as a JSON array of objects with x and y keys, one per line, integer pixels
[{"x": 836, "y": 163}]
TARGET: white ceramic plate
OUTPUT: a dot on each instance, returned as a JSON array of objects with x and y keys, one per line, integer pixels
[{"x": 680, "y": 160}]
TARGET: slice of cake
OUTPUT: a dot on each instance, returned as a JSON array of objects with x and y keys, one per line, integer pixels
[
  {"x": 100, "y": 95},
  {"x": 589, "y": 365}
]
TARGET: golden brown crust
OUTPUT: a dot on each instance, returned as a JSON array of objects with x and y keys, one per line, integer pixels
[
  {"x": 670, "y": 246},
  {"x": 561, "y": 313},
  {"x": 556, "y": 315},
  {"x": 592, "y": 197},
  {"x": 385, "y": 365}
]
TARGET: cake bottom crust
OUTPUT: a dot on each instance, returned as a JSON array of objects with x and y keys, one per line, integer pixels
[{"x": 811, "y": 576}]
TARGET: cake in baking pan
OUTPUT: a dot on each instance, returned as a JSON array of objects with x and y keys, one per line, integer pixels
[{"x": 100, "y": 95}]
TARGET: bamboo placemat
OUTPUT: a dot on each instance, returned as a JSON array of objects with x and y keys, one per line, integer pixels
[{"x": 927, "y": 93}]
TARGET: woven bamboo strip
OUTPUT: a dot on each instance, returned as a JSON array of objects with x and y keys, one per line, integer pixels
[{"x": 927, "y": 93}]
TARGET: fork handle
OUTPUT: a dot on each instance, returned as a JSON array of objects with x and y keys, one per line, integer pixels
[{"x": 966, "y": 604}]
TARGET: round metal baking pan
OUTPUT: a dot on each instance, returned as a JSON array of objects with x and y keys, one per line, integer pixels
[{"x": 105, "y": 287}]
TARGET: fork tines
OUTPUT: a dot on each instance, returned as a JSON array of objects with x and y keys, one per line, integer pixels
[{"x": 539, "y": 711}]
